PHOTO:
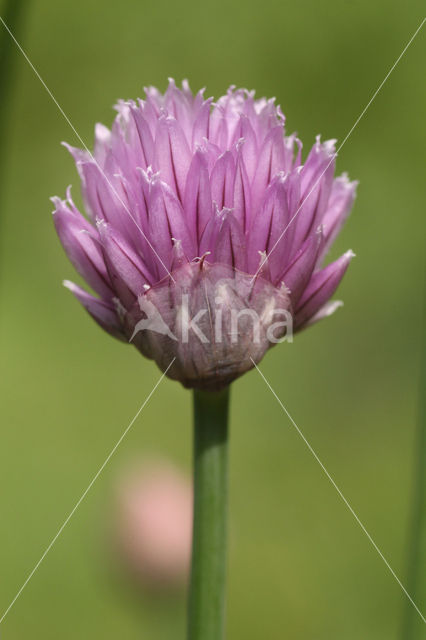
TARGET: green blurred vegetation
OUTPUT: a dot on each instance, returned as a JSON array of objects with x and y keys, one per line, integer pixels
[{"x": 299, "y": 566}]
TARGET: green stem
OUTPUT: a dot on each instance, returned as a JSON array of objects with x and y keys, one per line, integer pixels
[
  {"x": 413, "y": 627},
  {"x": 206, "y": 614},
  {"x": 12, "y": 12}
]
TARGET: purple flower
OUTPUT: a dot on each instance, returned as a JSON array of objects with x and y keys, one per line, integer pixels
[{"x": 205, "y": 230}]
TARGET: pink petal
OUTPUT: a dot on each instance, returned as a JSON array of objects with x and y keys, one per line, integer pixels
[
  {"x": 172, "y": 154},
  {"x": 145, "y": 139},
  {"x": 339, "y": 207},
  {"x": 197, "y": 202},
  {"x": 81, "y": 247},
  {"x": 222, "y": 181},
  {"x": 167, "y": 221},
  {"x": 321, "y": 287},
  {"x": 102, "y": 312},
  {"x": 271, "y": 160},
  {"x": 297, "y": 275},
  {"x": 200, "y": 130},
  {"x": 127, "y": 270},
  {"x": 267, "y": 230},
  {"x": 242, "y": 194},
  {"x": 230, "y": 247}
]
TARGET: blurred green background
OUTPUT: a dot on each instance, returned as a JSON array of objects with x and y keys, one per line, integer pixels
[{"x": 299, "y": 565}]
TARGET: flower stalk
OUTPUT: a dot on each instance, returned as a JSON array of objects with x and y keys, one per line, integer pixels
[
  {"x": 13, "y": 15},
  {"x": 413, "y": 625},
  {"x": 206, "y": 611}
]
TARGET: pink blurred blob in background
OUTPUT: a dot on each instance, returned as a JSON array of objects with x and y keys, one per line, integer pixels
[{"x": 154, "y": 523}]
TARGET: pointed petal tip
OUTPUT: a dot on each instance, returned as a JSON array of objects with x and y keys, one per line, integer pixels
[
  {"x": 80, "y": 155},
  {"x": 346, "y": 181},
  {"x": 102, "y": 133},
  {"x": 328, "y": 146},
  {"x": 102, "y": 226},
  {"x": 69, "y": 285},
  {"x": 331, "y": 307},
  {"x": 58, "y": 203},
  {"x": 69, "y": 147},
  {"x": 327, "y": 310}
]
